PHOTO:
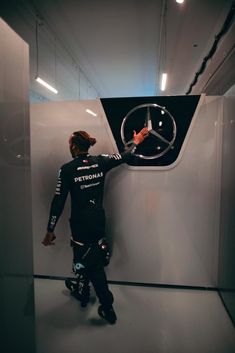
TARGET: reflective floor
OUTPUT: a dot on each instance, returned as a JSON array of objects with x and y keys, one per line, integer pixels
[{"x": 150, "y": 320}]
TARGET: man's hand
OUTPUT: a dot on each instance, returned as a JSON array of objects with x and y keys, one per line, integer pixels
[
  {"x": 49, "y": 238},
  {"x": 139, "y": 138}
]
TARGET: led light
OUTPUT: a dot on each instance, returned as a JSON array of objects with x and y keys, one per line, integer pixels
[
  {"x": 91, "y": 112},
  {"x": 163, "y": 83},
  {"x": 45, "y": 84},
  {"x": 160, "y": 123},
  {"x": 180, "y": 1}
]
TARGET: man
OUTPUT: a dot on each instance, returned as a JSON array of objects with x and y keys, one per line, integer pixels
[{"x": 84, "y": 178}]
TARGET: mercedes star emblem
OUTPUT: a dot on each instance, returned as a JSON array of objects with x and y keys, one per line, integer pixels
[{"x": 161, "y": 126}]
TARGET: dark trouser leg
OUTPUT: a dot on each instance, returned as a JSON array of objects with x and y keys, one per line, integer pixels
[
  {"x": 99, "y": 281},
  {"x": 82, "y": 292},
  {"x": 93, "y": 263},
  {"x": 98, "y": 278},
  {"x": 80, "y": 287}
]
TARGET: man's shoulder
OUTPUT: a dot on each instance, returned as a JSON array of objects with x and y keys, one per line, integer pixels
[
  {"x": 67, "y": 166},
  {"x": 76, "y": 162}
]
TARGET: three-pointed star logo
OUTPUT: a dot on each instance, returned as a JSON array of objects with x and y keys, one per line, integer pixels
[{"x": 155, "y": 117}]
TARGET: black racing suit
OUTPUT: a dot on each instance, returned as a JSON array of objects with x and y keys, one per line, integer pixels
[{"x": 84, "y": 178}]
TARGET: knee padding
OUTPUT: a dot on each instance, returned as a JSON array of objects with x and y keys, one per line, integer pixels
[{"x": 105, "y": 252}]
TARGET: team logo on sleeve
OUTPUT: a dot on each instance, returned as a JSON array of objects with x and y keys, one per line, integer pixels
[
  {"x": 58, "y": 185},
  {"x": 116, "y": 156}
]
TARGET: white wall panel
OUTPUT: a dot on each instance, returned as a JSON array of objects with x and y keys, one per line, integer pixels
[
  {"x": 227, "y": 226},
  {"x": 163, "y": 223},
  {"x": 51, "y": 126}
]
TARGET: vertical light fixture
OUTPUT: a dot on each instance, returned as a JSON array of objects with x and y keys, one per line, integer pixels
[
  {"x": 37, "y": 78},
  {"x": 78, "y": 78},
  {"x": 163, "y": 81},
  {"x": 162, "y": 74}
]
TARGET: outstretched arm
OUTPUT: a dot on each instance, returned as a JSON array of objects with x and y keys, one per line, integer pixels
[
  {"x": 137, "y": 140},
  {"x": 113, "y": 160},
  {"x": 57, "y": 207}
]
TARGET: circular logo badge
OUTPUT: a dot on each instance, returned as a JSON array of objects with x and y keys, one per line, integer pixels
[{"x": 161, "y": 126}]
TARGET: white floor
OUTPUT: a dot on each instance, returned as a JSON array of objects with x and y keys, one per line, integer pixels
[{"x": 150, "y": 320}]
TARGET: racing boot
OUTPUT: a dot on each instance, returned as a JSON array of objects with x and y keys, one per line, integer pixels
[
  {"x": 80, "y": 289},
  {"x": 108, "y": 314}
]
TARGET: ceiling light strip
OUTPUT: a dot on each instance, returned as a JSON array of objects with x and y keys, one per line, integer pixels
[{"x": 45, "y": 84}]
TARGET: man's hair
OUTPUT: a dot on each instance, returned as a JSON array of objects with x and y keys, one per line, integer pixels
[{"x": 83, "y": 140}]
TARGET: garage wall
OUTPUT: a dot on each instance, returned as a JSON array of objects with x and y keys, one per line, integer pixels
[{"x": 163, "y": 223}]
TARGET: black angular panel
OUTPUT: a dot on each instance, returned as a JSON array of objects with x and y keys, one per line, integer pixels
[{"x": 181, "y": 108}]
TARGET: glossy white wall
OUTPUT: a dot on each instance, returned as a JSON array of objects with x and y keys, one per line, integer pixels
[
  {"x": 16, "y": 262},
  {"x": 163, "y": 223}
]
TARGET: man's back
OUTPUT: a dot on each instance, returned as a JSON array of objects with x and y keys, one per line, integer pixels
[{"x": 84, "y": 177}]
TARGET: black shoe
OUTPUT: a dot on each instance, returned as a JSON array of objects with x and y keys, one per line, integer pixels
[
  {"x": 71, "y": 284},
  {"x": 81, "y": 294},
  {"x": 107, "y": 314},
  {"x": 80, "y": 298}
]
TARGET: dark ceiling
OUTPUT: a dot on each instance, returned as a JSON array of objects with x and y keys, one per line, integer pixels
[{"x": 120, "y": 48}]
